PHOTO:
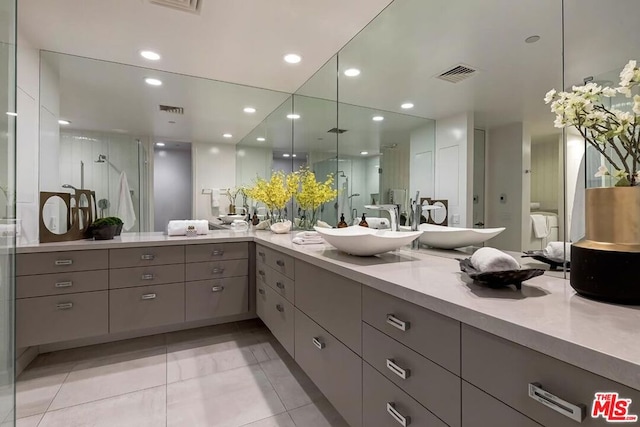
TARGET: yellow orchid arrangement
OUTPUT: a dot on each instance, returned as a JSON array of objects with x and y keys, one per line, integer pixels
[
  {"x": 276, "y": 192},
  {"x": 313, "y": 194}
]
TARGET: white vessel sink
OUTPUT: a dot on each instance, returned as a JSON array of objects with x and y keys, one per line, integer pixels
[
  {"x": 439, "y": 236},
  {"x": 228, "y": 219},
  {"x": 364, "y": 241}
]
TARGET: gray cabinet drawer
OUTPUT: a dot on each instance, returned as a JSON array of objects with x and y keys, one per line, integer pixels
[
  {"x": 278, "y": 281},
  {"x": 145, "y": 307},
  {"x": 217, "y": 269},
  {"x": 504, "y": 370},
  {"x": 145, "y": 276},
  {"x": 433, "y": 386},
  {"x": 57, "y": 318},
  {"x": 278, "y": 314},
  {"x": 207, "y": 299},
  {"x": 141, "y": 257},
  {"x": 55, "y": 262},
  {"x": 385, "y": 405},
  {"x": 336, "y": 370},
  {"x": 217, "y": 252},
  {"x": 276, "y": 260},
  {"x": 479, "y": 410},
  {"x": 434, "y": 336},
  {"x": 61, "y": 283},
  {"x": 331, "y": 301}
]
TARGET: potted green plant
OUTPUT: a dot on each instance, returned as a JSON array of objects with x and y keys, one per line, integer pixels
[
  {"x": 104, "y": 228},
  {"x": 118, "y": 223}
]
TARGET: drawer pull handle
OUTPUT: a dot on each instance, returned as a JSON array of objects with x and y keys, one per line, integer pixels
[
  {"x": 280, "y": 285},
  {"x": 148, "y": 277},
  {"x": 318, "y": 343},
  {"x": 402, "y": 420},
  {"x": 280, "y": 308},
  {"x": 218, "y": 252},
  {"x": 64, "y": 262},
  {"x": 149, "y": 296},
  {"x": 262, "y": 273},
  {"x": 217, "y": 271},
  {"x": 217, "y": 289},
  {"x": 402, "y": 373},
  {"x": 64, "y": 306},
  {"x": 570, "y": 410},
  {"x": 63, "y": 284},
  {"x": 147, "y": 257},
  {"x": 280, "y": 263},
  {"x": 397, "y": 323},
  {"x": 262, "y": 254},
  {"x": 261, "y": 291}
]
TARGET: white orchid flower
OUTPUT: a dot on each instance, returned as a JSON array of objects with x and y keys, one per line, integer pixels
[
  {"x": 550, "y": 96},
  {"x": 619, "y": 174},
  {"x": 636, "y": 104},
  {"x": 602, "y": 171}
]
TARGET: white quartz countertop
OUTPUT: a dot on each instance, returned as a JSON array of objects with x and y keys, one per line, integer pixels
[{"x": 546, "y": 315}]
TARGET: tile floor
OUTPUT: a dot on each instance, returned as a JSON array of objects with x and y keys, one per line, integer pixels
[{"x": 228, "y": 375}]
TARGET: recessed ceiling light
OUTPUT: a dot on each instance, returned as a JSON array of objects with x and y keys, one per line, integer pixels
[
  {"x": 152, "y": 81},
  {"x": 406, "y": 106},
  {"x": 249, "y": 110},
  {"x": 11, "y": 113},
  {"x": 293, "y": 155},
  {"x": 377, "y": 118},
  {"x": 261, "y": 139},
  {"x": 532, "y": 39},
  {"x": 292, "y": 58},
  {"x": 150, "y": 55},
  {"x": 227, "y": 135},
  {"x": 285, "y": 155},
  {"x": 64, "y": 122},
  {"x": 352, "y": 72},
  {"x": 160, "y": 144},
  {"x": 364, "y": 153},
  {"x": 293, "y": 116}
]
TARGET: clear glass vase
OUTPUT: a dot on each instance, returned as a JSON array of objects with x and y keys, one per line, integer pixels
[{"x": 309, "y": 219}]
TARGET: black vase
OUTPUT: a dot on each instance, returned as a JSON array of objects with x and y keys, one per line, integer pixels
[{"x": 104, "y": 232}]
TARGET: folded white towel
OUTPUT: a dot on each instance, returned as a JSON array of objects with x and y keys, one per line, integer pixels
[
  {"x": 215, "y": 198},
  {"x": 539, "y": 224},
  {"x": 125, "y": 209},
  {"x": 179, "y": 227},
  {"x": 308, "y": 234},
  {"x": 490, "y": 259},
  {"x": 302, "y": 241},
  {"x": 558, "y": 250}
]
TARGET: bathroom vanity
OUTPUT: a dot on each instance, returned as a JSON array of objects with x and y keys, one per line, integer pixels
[{"x": 398, "y": 339}]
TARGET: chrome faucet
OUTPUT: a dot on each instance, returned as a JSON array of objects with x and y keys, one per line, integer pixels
[
  {"x": 416, "y": 212},
  {"x": 393, "y": 214}
]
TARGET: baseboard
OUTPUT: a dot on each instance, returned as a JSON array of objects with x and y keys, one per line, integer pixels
[
  {"x": 25, "y": 357},
  {"x": 46, "y": 348}
]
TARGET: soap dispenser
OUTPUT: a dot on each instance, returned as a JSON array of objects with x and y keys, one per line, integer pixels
[
  {"x": 342, "y": 223},
  {"x": 255, "y": 220},
  {"x": 363, "y": 223}
]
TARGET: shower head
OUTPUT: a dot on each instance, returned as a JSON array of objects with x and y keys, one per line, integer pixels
[
  {"x": 354, "y": 195},
  {"x": 101, "y": 158},
  {"x": 341, "y": 174},
  {"x": 69, "y": 186}
]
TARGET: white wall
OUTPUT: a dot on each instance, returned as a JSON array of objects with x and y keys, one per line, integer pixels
[
  {"x": 395, "y": 168},
  {"x": 172, "y": 185},
  {"x": 422, "y": 164},
  {"x": 545, "y": 174},
  {"x": 253, "y": 162},
  {"x": 454, "y": 167},
  {"x": 214, "y": 166}
]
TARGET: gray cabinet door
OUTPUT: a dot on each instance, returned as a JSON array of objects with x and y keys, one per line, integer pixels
[
  {"x": 430, "y": 384},
  {"x": 278, "y": 314},
  {"x": 504, "y": 370},
  {"x": 207, "y": 299},
  {"x": 217, "y": 269},
  {"x": 278, "y": 261},
  {"x": 434, "y": 336},
  {"x": 44, "y": 320},
  {"x": 216, "y": 252},
  {"x": 145, "y": 276},
  {"x": 336, "y": 370},
  {"x": 386, "y": 405},
  {"x": 145, "y": 256},
  {"x": 481, "y": 410},
  {"x": 61, "y": 283},
  {"x": 332, "y": 301},
  {"x": 56, "y": 262},
  {"x": 278, "y": 281},
  {"x": 145, "y": 307}
]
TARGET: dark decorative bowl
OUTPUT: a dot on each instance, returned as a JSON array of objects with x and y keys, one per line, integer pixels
[
  {"x": 118, "y": 229},
  {"x": 499, "y": 279},
  {"x": 105, "y": 232},
  {"x": 554, "y": 263}
]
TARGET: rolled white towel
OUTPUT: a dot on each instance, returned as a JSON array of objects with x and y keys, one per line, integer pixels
[
  {"x": 490, "y": 259},
  {"x": 201, "y": 225},
  {"x": 177, "y": 228},
  {"x": 558, "y": 250}
]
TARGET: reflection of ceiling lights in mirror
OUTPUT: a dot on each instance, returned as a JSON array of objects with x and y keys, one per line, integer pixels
[
  {"x": 11, "y": 113},
  {"x": 249, "y": 110},
  {"x": 261, "y": 139},
  {"x": 377, "y": 118},
  {"x": 150, "y": 55},
  {"x": 293, "y": 155},
  {"x": 285, "y": 155},
  {"x": 352, "y": 72},
  {"x": 364, "y": 153},
  {"x": 292, "y": 58},
  {"x": 160, "y": 144},
  {"x": 406, "y": 106},
  {"x": 152, "y": 81},
  {"x": 532, "y": 39},
  {"x": 227, "y": 135},
  {"x": 293, "y": 116},
  {"x": 64, "y": 122}
]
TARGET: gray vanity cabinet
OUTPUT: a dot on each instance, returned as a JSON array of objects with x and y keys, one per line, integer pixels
[
  {"x": 278, "y": 314},
  {"x": 480, "y": 410}
]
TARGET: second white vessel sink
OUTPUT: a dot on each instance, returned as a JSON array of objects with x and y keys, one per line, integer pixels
[
  {"x": 441, "y": 237},
  {"x": 364, "y": 241}
]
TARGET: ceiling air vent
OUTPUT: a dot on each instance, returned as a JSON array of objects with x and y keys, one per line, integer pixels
[
  {"x": 336, "y": 130},
  {"x": 457, "y": 74},
  {"x": 192, "y": 6},
  {"x": 171, "y": 109}
]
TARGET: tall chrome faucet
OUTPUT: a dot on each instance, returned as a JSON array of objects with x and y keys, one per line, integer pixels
[
  {"x": 416, "y": 212},
  {"x": 393, "y": 214}
]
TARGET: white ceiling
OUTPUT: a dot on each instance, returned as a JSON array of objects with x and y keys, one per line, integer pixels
[{"x": 240, "y": 41}]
